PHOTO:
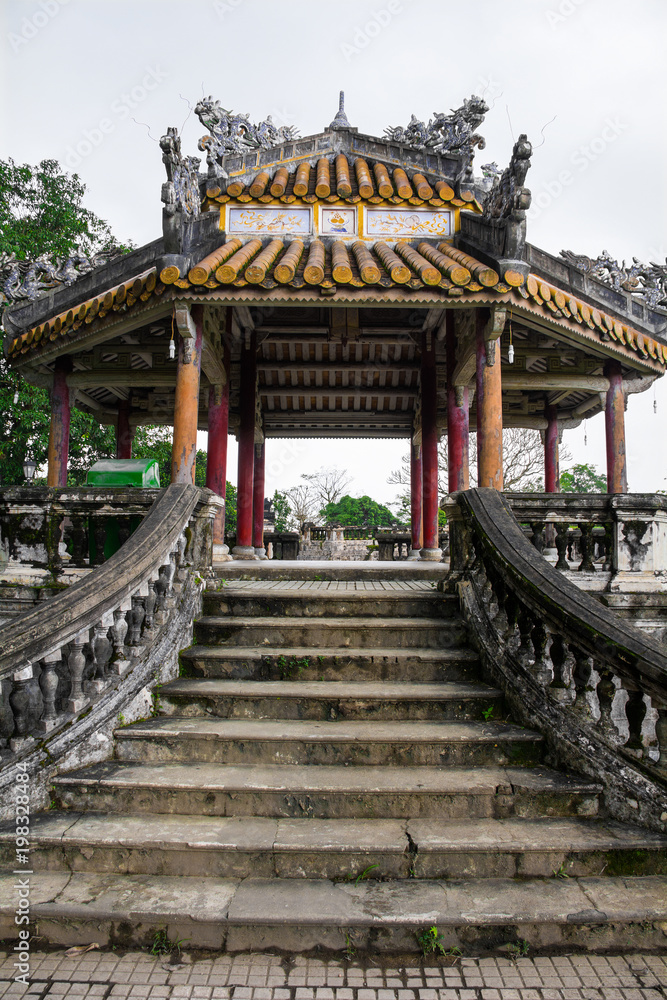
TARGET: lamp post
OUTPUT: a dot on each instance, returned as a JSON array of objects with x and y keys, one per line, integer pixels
[{"x": 29, "y": 467}]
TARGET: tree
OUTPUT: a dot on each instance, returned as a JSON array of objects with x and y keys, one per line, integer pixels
[
  {"x": 282, "y": 511},
  {"x": 303, "y": 503},
  {"x": 583, "y": 478},
  {"x": 362, "y": 512},
  {"x": 42, "y": 213},
  {"x": 328, "y": 484}
]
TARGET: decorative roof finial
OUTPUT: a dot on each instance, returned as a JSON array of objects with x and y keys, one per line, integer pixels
[{"x": 340, "y": 121}]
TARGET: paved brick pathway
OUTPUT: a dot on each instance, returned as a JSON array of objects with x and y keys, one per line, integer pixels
[{"x": 108, "y": 976}]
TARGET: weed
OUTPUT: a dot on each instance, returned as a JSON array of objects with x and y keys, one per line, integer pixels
[
  {"x": 317, "y": 577},
  {"x": 431, "y": 940},
  {"x": 361, "y": 876},
  {"x": 488, "y": 713},
  {"x": 121, "y": 719},
  {"x": 560, "y": 872},
  {"x": 221, "y": 584},
  {"x": 350, "y": 950},
  {"x": 163, "y": 946},
  {"x": 52, "y": 798},
  {"x": 155, "y": 695},
  {"x": 518, "y": 949},
  {"x": 291, "y": 668}
]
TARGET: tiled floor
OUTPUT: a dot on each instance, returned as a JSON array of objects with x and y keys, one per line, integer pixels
[{"x": 108, "y": 976}]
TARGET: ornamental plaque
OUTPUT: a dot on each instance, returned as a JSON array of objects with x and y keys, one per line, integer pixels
[
  {"x": 407, "y": 222},
  {"x": 338, "y": 221},
  {"x": 272, "y": 221}
]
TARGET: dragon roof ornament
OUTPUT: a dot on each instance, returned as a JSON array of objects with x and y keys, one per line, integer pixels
[
  {"x": 454, "y": 133},
  {"x": 180, "y": 193},
  {"x": 508, "y": 198},
  {"x": 235, "y": 133},
  {"x": 26, "y": 280},
  {"x": 647, "y": 281}
]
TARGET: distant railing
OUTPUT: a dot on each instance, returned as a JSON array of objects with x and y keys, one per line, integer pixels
[
  {"x": 54, "y": 531},
  {"x": 624, "y": 535},
  {"x": 594, "y": 685}
]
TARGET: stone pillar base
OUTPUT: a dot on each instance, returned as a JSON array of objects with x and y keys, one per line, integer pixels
[
  {"x": 430, "y": 555},
  {"x": 413, "y": 554},
  {"x": 221, "y": 553},
  {"x": 243, "y": 552},
  {"x": 261, "y": 553}
]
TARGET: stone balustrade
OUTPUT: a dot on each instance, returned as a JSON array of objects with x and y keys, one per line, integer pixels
[
  {"x": 595, "y": 686},
  {"x": 72, "y": 665},
  {"x": 621, "y": 536}
]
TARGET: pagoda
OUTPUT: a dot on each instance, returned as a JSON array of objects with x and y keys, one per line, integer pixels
[{"x": 340, "y": 285}]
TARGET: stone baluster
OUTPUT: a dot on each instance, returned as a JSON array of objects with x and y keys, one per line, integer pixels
[
  {"x": 609, "y": 547},
  {"x": 661, "y": 737},
  {"x": 562, "y": 531},
  {"x": 79, "y": 536},
  {"x": 537, "y": 537},
  {"x": 543, "y": 667},
  {"x": 137, "y": 615},
  {"x": 49, "y": 683},
  {"x": 635, "y": 713},
  {"x": 102, "y": 650},
  {"x": 118, "y": 632},
  {"x": 606, "y": 694},
  {"x": 99, "y": 534},
  {"x": 19, "y": 702},
  {"x": 149, "y": 606},
  {"x": 76, "y": 662},
  {"x": 525, "y": 651},
  {"x": 584, "y": 677},
  {"x": 587, "y": 548},
  {"x": 563, "y": 662}
]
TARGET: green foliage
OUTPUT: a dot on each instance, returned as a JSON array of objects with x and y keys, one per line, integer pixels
[
  {"x": 351, "y": 877},
  {"x": 283, "y": 511},
  {"x": 163, "y": 946},
  {"x": 362, "y": 512},
  {"x": 583, "y": 478},
  {"x": 42, "y": 212},
  {"x": 230, "y": 508},
  {"x": 518, "y": 949},
  {"x": 289, "y": 669},
  {"x": 430, "y": 940}
]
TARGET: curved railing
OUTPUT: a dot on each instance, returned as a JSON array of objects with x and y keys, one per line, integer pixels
[
  {"x": 595, "y": 686},
  {"x": 69, "y": 666}
]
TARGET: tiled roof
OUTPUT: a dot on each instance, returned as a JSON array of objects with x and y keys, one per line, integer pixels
[
  {"x": 342, "y": 178},
  {"x": 328, "y": 266},
  {"x": 410, "y": 264}
]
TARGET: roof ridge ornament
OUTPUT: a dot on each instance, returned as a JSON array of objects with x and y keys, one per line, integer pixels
[
  {"x": 340, "y": 121},
  {"x": 27, "y": 280},
  {"x": 453, "y": 133},
  {"x": 235, "y": 133},
  {"x": 646, "y": 281},
  {"x": 508, "y": 199}
]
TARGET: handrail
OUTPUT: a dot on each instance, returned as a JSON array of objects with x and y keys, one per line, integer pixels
[
  {"x": 595, "y": 685},
  {"x": 38, "y": 631}
]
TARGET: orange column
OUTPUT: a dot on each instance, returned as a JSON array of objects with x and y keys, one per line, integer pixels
[
  {"x": 551, "y": 462},
  {"x": 59, "y": 429},
  {"x": 416, "y": 476},
  {"x": 186, "y": 404},
  {"x": 457, "y": 419},
  {"x": 617, "y": 478},
  {"x": 258, "y": 502},
  {"x": 489, "y": 409}
]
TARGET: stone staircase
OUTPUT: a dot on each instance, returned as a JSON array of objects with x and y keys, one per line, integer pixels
[{"x": 330, "y": 770}]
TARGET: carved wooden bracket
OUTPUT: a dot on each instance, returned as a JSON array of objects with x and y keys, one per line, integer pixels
[{"x": 493, "y": 331}]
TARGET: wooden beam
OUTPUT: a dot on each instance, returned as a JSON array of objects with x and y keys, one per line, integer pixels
[
  {"x": 546, "y": 381},
  {"x": 337, "y": 366},
  {"x": 315, "y": 392},
  {"x": 130, "y": 377}
]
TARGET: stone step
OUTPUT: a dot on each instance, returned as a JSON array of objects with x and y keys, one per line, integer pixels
[
  {"x": 326, "y": 792},
  {"x": 307, "y": 602},
  {"x": 328, "y": 700},
  {"x": 300, "y": 915},
  {"x": 333, "y": 664},
  {"x": 243, "y": 847},
  {"x": 248, "y": 741},
  {"x": 323, "y": 571},
  {"x": 324, "y": 633}
]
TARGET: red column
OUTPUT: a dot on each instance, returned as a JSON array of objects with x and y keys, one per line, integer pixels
[
  {"x": 258, "y": 502},
  {"x": 124, "y": 432},
  {"x": 457, "y": 419},
  {"x": 216, "y": 455},
  {"x": 551, "y": 460},
  {"x": 430, "y": 549},
  {"x": 59, "y": 430},
  {"x": 617, "y": 478},
  {"x": 416, "y": 475},
  {"x": 186, "y": 404},
  {"x": 489, "y": 409},
  {"x": 244, "y": 548}
]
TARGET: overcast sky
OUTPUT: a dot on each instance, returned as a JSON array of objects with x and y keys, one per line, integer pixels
[{"x": 585, "y": 79}]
